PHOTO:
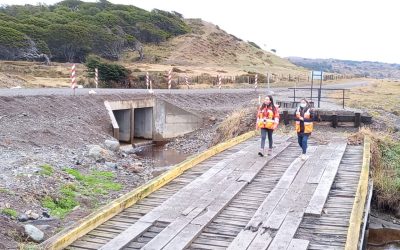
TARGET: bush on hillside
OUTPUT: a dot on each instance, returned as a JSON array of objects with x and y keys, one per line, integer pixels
[
  {"x": 110, "y": 74},
  {"x": 254, "y": 45},
  {"x": 70, "y": 30}
]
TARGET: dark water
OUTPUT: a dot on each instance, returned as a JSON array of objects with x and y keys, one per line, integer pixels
[
  {"x": 163, "y": 158},
  {"x": 378, "y": 236},
  {"x": 395, "y": 246}
]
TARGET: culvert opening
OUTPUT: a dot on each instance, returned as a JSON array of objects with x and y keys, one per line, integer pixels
[
  {"x": 123, "y": 118},
  {"x": 143, "y": 124},
  {"x": 146, "y": 124},
  {"x": 149, "y": 119}
]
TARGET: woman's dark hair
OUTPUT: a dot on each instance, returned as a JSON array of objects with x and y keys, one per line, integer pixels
[
  {"x": 271, "y": 104},
  {"x": 307, "y": 102}
]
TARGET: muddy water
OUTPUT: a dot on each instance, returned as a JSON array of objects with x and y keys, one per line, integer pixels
[
  {"x": 384, "y": 239},
  {"x": 395, "y": 246},
  {"x": 163, "y": 158}
]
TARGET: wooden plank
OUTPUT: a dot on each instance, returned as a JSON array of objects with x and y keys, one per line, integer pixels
[
  {"x": 127, "y": 236},
  {"x": 298, "y": 244},
  {"x": 243, "y": 241},
  {"x": 167, "y": 234},
  {"x": 185, "y": 237},
  {"x": 288, "y": 229},
  {"x": 188, "y": 234},
  {"x": 318, "y": 171},
  {"x": 353, "y": 233},
  {"x": 69, "y": 235},
  {"x": 261, "y": 241},
  {"x": 184, "y": 201},
  {"x": 288, "y": 202},
  {"x": 291, "y": 172},
  {"x": 321, "y": 193},
  {"x": 244, "y": 238},
  {"x": 253, "y": 171}
]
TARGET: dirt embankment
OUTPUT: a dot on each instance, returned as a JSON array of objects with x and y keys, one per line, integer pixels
[{"x": 44, "y": 155}]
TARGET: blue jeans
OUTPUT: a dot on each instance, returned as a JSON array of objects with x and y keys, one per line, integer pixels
[
  {"x": 303, "y": 138},
  {"x": 264, "y": 132}
]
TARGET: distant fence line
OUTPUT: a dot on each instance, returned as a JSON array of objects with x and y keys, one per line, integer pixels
[{"x": 226, "y": 79}]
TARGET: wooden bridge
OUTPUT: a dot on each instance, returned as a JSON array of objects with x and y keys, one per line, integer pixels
[{"x": 230, "y": 198}]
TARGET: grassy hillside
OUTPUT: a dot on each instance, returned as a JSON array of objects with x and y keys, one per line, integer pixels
[
  {"x": 74, "y": 31},
  {"x": 208, "y": 44},
  {"x": 69, "y": 30}
]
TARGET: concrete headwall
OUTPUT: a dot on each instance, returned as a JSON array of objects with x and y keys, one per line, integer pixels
[
  {"x": 172, "y": 121},
  {"x": 150, "y": 119}
]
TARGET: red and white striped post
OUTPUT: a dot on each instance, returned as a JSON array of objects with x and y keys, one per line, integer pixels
[
  {"x": 73, "y": 77},
  {"x": 96, "y": 77},
  {"x": 151, "y": 87},
  {"x": 169, "y": 79},
  {"x": 187, "y": 81},
  {"x": 256, "y": 82},
  {"x": 219, "y": 82},
  {"x": 147, "y": 80}
]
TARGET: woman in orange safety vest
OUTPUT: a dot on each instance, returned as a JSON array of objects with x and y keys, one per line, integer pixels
[
  {"x": 304, "y": 125},
  {"x": 267, "y": 121}
]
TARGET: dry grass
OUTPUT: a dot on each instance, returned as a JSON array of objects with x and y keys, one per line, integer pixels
[
  {"x": 381, "y": 100},
  {"x": 209, "y": 50},
  {"x": 380, "y": 95},
  {"x": 237, "y": 123},
  {"x": 385, "y": 164},
  {"x": 35, "y": 74}
]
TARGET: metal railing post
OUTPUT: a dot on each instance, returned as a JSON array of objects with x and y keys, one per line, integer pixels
[{"x": 343, "y": 98}]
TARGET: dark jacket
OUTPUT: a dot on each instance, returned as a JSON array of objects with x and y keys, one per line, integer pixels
[{"x": 311, "y": 119}]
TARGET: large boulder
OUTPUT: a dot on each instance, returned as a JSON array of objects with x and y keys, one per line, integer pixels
[
  {"x": 112, "y": 145},
  {"x": 96, "y": 152},
  {"x": 34, "y": 233}
]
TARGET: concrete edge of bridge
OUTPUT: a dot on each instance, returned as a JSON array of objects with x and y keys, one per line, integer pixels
[
  {"x": 90, "y": 222},
  {"x": 357, "y": 213}
]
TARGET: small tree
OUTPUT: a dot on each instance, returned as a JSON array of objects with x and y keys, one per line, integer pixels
[{"x": 110, "y": 74}]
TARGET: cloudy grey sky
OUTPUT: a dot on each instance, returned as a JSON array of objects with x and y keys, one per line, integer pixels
[{"x": 344, "y": 29}]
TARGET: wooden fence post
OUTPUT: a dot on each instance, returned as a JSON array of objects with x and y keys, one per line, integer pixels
[{"x": 334, "y": 121}]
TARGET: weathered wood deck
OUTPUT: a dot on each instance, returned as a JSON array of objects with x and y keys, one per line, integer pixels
[{"x": 238, "y": 200}]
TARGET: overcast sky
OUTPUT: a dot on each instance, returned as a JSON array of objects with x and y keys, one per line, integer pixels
[{"x": 343, "y": 29}]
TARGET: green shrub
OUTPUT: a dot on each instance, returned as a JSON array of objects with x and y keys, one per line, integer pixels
[
  {"x": 109, "y": 73},
  {"x": 46, "y": 170},
  {"x": 254, "y": 45},
  {"x": 9, "y": 212}
]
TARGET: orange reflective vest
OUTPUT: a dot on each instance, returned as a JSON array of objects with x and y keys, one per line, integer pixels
[
  {"x": 267, "y": 119},
  {"x": 308, "y": 124}
]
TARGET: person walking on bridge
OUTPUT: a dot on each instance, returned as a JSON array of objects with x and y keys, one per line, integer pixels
[
  {"x": 304, "y": 125},
  {"x": 267, "y": 121}
]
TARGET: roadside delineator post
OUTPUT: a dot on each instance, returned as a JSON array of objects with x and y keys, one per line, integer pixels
[
  {"x": 96, "y": 77},
  {"x": 187, "y": 81},
  {"x": 219, "y": 82},
  {"x": 151, "y": 87},
  {"x": 73, "y": 77},
  {"x": 255, "y": 82},
  {"x": 169, "y": 79},
  {"x": 147, "y": 80}
]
